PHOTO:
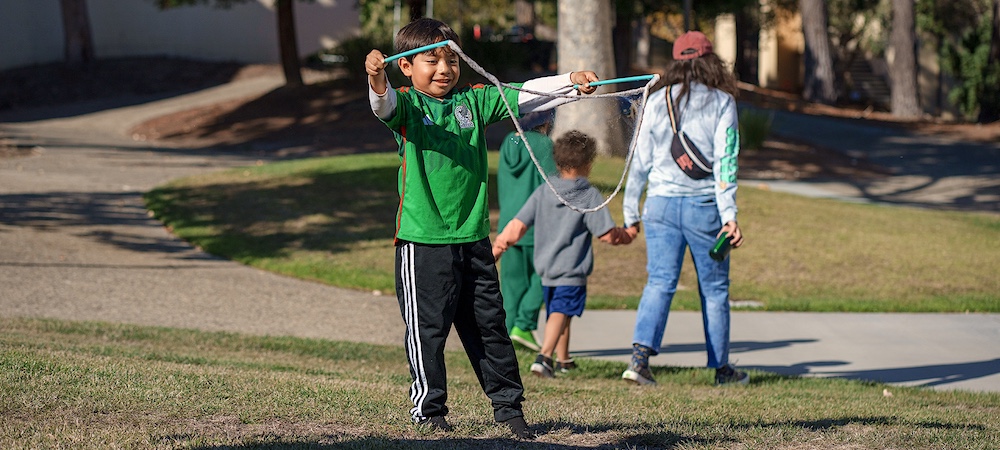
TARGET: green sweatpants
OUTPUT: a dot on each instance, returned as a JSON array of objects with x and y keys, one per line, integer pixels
[{"x": 521, "y": 288}]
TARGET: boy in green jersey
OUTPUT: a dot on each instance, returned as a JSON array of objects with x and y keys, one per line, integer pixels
[{"x": 445, "y": 270}]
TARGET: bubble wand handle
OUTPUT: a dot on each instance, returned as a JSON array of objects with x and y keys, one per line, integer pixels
[
  {"x": 416, "y": 50},
  {"x": 618, "y": 80}
]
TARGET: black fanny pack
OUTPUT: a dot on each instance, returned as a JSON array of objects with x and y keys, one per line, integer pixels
[{"x": 690, "y": 160}]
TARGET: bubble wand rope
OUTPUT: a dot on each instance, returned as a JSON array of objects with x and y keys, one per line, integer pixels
[{"x": 652, "y": 80}]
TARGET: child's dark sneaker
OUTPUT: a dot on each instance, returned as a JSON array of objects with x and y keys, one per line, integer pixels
[
  {"x": 437, "y": 423},
  {"x": 727, "y": 374},
  {"x": 638, "y": 375},
  {"x": 520, "y": 428},
  {"x": 565, "y": 366},
  {"x": 543, "y": 367}
]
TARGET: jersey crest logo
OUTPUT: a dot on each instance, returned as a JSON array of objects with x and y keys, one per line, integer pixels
[{"x": 463, "y": 116}]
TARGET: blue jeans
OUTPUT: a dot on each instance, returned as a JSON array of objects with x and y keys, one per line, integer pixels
[{"x": 671, "y": 225}]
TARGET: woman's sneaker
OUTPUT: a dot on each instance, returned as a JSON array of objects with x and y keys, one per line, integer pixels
[
  {"x": 524, "y": 338},
  {"x": 638, "y": 375},
  {"x": 543, "y": 367},
  {"x": 727, "y": 374},
  {"x": 565, "y": 366}
]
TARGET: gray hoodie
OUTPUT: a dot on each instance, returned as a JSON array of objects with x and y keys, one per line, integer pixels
[{"x": 563, "y": 237}]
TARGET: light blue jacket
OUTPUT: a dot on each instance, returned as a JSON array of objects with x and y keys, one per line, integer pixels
[{"x": 710, "y": 119}]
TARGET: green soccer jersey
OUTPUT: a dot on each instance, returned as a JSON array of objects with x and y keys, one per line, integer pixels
[{"x": 443, "y": 168}]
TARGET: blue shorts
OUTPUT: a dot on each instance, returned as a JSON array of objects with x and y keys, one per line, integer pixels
[{"x": 568, "y": 300}]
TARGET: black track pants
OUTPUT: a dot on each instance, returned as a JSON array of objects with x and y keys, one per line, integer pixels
[{"x": 441, "y": 285}]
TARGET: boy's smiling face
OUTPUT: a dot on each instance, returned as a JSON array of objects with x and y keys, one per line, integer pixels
[{"x": 433, "y": 73}]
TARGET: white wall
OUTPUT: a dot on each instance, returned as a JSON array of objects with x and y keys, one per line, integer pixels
[{"x": 31, "y": 30}]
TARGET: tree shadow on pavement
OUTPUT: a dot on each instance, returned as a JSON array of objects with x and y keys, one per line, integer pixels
[
  {"x": 927, "y": 375},
  {"x": 926, "y": 171}
]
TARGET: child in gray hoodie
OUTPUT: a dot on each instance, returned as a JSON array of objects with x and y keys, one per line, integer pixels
[{"x": 563, "y": 254}]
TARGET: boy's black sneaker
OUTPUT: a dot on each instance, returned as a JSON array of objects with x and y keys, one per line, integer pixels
[
  {"x": 565, "y": 366},
  {"x": 437, "y": 423},
  {"x": 520, "y": 428},
  {"x": 543, "y": 367},
  {"x": 727, "y": 374}
]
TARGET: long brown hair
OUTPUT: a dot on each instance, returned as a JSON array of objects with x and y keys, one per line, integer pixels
[{"x": 707, "y": 69}]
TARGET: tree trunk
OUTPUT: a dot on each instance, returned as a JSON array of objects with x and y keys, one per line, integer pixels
[
  {"x": 288, "y": 43},
  {"x": 416, "y": 9},
  {"x": 818, "y": 59},
  {"x": 585, "y": 44},
  {"x": 78, "y": 44},
  {"x": 989, "y": 106},
  {"x": 995, "y": 36},
  {"x": 903, "y": 73},
  {"x": 622, "y": 40},
  {"x": 747, "y": 46}
]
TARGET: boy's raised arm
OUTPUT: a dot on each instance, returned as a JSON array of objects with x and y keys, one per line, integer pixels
[
  {"x": 556, "y": 84},
  {"x": 380, "y": 95}
]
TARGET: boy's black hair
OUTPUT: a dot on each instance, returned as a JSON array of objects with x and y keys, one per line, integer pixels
[
  {"x": 574, "y": 150},
  {"x": 424, "y": 31}
]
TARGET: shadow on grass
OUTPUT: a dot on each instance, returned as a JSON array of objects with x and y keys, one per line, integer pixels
[
  {"x": 828, "y": 424},
  {"x": 661, "y": 440},
  {"x": 735, "y": 347},
  {"x": 314, "y": 212},
  {"x": 930, "y": 375},
  {"x": 665, "y": 440}
]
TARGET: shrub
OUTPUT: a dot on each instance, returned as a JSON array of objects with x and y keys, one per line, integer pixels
[{"x": 755, "y": 127}]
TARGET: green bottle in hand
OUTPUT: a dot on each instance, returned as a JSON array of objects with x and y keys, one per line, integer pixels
[{"x": 721, "y": 247}]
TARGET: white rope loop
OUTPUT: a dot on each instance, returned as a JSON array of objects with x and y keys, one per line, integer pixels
[{"x": 538, "y": 166}]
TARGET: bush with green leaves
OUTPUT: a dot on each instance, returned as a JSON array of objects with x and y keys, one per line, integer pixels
[
  {"x": 755, "y": 127},
  {"x": 977, "y": 91}
]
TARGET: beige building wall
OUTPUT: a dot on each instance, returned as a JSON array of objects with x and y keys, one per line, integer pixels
[
  {"x": 780, "y": 54},
  {"x": 31, "y": 31}
]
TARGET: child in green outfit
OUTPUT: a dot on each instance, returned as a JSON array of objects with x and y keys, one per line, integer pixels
[
  {"x": 517, "y": 178},
  {"x": 445, "y": 271}
]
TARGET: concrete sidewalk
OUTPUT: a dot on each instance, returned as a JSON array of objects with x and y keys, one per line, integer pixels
[
  {"x": 943, "y": 351},
  {"x": 76, "y": 244}
]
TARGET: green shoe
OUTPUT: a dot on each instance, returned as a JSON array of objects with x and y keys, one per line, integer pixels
[{"x": 525, "y": 339}]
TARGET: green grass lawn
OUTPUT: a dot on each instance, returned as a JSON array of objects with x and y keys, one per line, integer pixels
[
  {"x": 331, "y": 220},
  {"x": 85, "y": 385}
]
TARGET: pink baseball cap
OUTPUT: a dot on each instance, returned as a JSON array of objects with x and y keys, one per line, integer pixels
[{"x": 691, "y": 45}]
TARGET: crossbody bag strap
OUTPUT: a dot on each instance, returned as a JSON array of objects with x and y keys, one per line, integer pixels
[{"x": 672, "y": 112}]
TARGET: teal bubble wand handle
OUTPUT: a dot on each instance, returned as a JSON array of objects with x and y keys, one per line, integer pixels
[
  {"x": 416, "y": 50},
  {"x": 618, "y": 80}
]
